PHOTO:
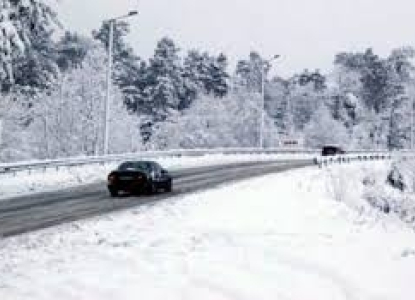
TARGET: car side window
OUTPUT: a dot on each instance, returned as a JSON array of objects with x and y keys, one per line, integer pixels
[
  {"x": 145, "y": 166},
  {"x": 125, "y": 166}
]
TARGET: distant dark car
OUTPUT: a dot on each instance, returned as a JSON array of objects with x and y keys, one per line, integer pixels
[
  {"x": 332, "y": 150},
  {"x": 139, "y": 177}
]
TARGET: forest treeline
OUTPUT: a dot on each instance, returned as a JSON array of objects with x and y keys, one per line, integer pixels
[{"x": 53, "y": 93}]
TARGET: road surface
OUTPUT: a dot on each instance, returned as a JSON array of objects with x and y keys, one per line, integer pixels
[{"x": 24, "y": 214}]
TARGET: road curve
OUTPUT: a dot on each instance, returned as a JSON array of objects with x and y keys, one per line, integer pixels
[{"x": 24, "y": 214}]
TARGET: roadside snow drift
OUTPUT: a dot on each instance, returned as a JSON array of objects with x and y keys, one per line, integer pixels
[{"x": 302, "y": 234}]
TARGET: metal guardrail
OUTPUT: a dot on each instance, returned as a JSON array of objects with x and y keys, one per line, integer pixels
[
  {"x": 359, "y": 155},
  {"x": 353, "y": 155},
  {"x": 79, "y": 161},
  {"x": 342, "y": 159}
]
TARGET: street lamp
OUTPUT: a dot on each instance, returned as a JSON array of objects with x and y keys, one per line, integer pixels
[
  {"x": 111, "y": 23},
  {"x": 262, "y": 125}
]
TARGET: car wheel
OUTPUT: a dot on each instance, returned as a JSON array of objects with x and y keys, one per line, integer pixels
[
  {"x": 151, "y": 188},
  {"x": 169, "y": 186}
]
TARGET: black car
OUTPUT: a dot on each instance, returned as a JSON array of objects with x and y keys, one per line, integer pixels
[
  {"x": 139, "y": 177},
  {"x": 330, "y": 150}
]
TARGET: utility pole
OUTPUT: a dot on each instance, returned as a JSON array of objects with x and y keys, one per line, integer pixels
[
  {"x": 111, "y": 24},
  {"x": 263, "y": 75}
]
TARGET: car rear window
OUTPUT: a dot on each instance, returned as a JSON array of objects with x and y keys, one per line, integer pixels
[{"x": 145, "y": 166}]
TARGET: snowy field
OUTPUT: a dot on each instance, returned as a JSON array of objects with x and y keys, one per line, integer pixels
[
  {"x": 304, "y": 234},
  {"x": 28, "y": 182}
]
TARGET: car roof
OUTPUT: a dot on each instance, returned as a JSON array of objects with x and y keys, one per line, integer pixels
[{"x": 140, "y": 162}]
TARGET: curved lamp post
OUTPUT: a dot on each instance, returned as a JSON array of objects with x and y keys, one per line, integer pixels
[{"x": 111, "y": 23}]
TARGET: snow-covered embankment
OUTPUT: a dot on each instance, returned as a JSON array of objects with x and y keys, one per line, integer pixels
[{"x": 304, "y": 234}]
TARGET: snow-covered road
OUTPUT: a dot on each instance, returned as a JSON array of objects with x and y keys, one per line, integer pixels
[
  {"x": 40, "y": 180},
  {"x": 284, "y": 236}
]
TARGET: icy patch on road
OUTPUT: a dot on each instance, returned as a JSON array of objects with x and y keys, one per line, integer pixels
[{"x": 282, "y": 236}]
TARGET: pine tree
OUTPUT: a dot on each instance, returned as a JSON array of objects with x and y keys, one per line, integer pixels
[
  {"x": 165, "y": 89},
  {"x": 38, "y": 69},
  {"x": 249, "y": 72},
  {"x": 195, "y": 73},
  {"x": 381, "y": 79},
  {"x": 217, "y": 81},
  {"x": 72, "y": 48},
  {"x": 304, "y": 97},
  {"x": 206, "y": 74}
]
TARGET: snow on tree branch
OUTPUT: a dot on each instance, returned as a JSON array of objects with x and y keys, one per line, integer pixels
[{"x": 21, "y": 21}]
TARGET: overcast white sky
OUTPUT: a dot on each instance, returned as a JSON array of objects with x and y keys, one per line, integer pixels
[{"x": 307, "y": 33}]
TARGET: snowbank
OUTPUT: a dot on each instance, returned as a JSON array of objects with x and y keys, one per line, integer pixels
[
  {"x": 284, "y": 236},
  {"x": 392, "y": 190}
]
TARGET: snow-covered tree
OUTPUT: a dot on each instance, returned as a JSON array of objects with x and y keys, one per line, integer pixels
[
  {"x": 249, "y": 72},
  {"x": 69, "y": 120},
  {"x": 304, "y": 101},
  {"x": 165, "y": 87},
  {"x": 205, "y": 73},
  {"x": 371, "y": 132},
  {"x": 232, "y": 121},
  {"x": 72, "y": 48},
  {"x": 276, "y": 103},
  {"x": 400, "y": 123},
  {"x": 323, "y": 129},
  {"x": 14, "y": 138},
  {"x": 21, "y": 23}
]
